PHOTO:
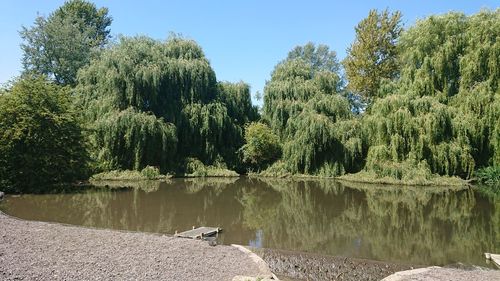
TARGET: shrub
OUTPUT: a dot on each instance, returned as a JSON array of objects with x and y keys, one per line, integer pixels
[
  {"x": 489, "y": 175},
  {"x": 41, "y": 140}
]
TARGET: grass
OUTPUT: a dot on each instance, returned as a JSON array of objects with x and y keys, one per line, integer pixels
[
  {"x": 145, "y": 185},
  {"x": 211, "y": 171},
  {"x": 196, "y": 168},
  {"x": 276, "y": 170},
  {"x": 148, "y": 173},
  {"x": 371, "y": 177},
  {"x": 488, "y": 175},
  {"x": 404, "y": 174}
]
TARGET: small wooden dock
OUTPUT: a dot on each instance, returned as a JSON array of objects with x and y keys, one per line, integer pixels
[
  {"x": 494, "y": 258},
  {"x": 199, "y": 233}
]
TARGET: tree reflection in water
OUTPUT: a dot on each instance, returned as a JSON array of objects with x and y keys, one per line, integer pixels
[{"x": 423, "y": 225}]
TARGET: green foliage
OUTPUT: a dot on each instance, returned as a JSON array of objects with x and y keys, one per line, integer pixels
[
  {"x": 434, "y": 111},
  {"x": 303, "y": 106},
  {"x": 196, "y": 168},
  {"x": 278, "y": 169},
  {"x": 41, "y": 141},
  {"x": 133, "y": 140},
  {"x": 323, "y": 139},
  {"x": 488, "y": 175},
  {"x": 209, "y": 133},
  {"x": 372, "y": 56},
  {"x": 320, "y": 58},
  {"x": 262, "y": 146},
  {"x": 148, "y": 173},
  {"x": 401, "y": 128},
  {"x": 148, "y": 75},
  {"x": 58, "y": 46},
  {"x": 436, "y": 114},
  {"x": 405, "y": 173},
  {"x": 155, "y": 103},
  {"x": 236, "y": 97},
  {"x": 442, "y": 115}
]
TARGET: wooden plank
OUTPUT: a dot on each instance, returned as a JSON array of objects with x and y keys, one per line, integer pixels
[
  {"x": 198, "y": 233},
  {"x": 493, "y": 257}
]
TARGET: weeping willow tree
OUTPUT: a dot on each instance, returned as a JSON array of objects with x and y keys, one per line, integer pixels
[
  {"x": 303, "y": 106},
  {"x": 149, "y": 102},
  {"x": 134, "y": 139},
  {"x": 238, "y": 100},
  {"x": 209, "y": 133},
  {"x": 442, "y": 115}
]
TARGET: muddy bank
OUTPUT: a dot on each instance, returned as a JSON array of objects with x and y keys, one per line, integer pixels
[
  {"x": 295, "y": 266},
  {"x": 32, "y": 250},
  {"x": 307, "y": 266}
]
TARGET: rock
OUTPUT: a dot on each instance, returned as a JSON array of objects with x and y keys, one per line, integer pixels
[{"x": 1, "y": 195}]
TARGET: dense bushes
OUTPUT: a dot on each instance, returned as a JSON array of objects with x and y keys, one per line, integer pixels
[
  {"x": 41, "y": 141},
  {"x": 489, "y": 175},
  {"x": 262, "y": 146}
]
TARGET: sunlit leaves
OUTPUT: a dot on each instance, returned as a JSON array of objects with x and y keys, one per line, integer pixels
[
  {"x": 59, "y": 45},
  {"x": 156, "y": 103},
  {"x": 262, "y": 146},
  {"x": 373, "y": 55},
  {"x": 444, "y": 109},
  {"x": 133, "y": 140},
  {"x": 303, "y": 106},
  {"x": 40, "y": 137}
]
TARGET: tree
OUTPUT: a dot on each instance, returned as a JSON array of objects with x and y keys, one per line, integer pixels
[
  {"x": 41, "y": 141},
  {"x": 318, "y": 57},
  {"x": 303, "y": 105},
  {"x": 372, "y": 56},
  {"x": 262, "y": 146},
  {"x": 442, "y": 115},
  {"x": 236, "y": 97},
  {"x": 59, "y": 45},
  {"x": 157, "y": 103}
]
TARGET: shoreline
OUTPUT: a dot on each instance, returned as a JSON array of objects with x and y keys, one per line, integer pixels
[
  {"x": 295, "y": 265},
  {"x": 63, "y": 187},
  {"x": 57, "y": 251},
  {"x": 53, "y": 251}
]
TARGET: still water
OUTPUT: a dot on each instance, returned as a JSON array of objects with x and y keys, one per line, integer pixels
[{"x": 408, "y": 224}]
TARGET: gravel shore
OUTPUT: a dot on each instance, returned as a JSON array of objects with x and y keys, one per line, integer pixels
[{"x": 32, "y": 250}]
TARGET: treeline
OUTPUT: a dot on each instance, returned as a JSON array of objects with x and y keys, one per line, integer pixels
[
  {"x": 419, "y": 103},
  {"x": 413, "y": 104}
]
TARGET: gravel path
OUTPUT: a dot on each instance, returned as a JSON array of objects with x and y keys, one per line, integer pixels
[{"x": 32, "y": 250}]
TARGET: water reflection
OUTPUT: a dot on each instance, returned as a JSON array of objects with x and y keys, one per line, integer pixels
[{"x": 419, "y": 225}]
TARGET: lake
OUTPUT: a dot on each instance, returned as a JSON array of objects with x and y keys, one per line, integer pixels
[{"x": 419, "y": 225}]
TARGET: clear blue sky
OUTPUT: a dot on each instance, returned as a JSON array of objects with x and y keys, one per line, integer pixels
[{"x": 242, "y": 39}]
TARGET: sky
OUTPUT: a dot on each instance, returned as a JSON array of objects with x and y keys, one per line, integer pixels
[{"x": 243, "y": 40}]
